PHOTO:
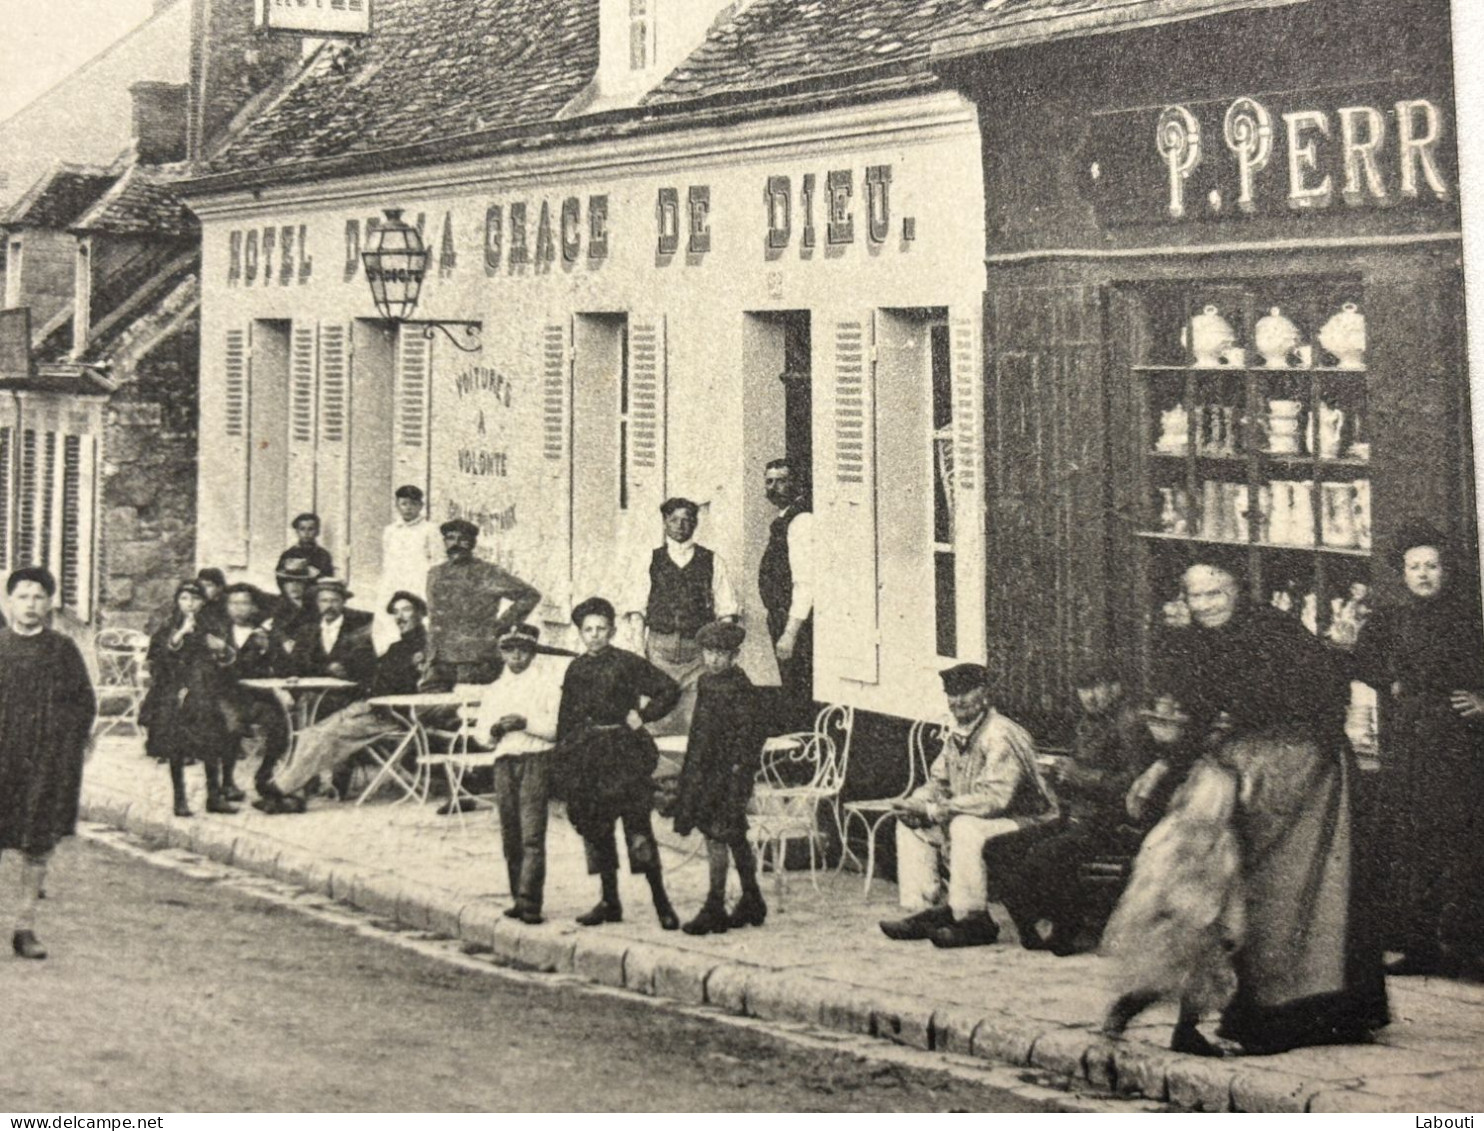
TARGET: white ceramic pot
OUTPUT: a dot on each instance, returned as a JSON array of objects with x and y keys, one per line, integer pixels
[
  {"x": 1208, "y": 336},
  {"x": 1344, "y": 336},
  {"x": 1276, "y": 337}
]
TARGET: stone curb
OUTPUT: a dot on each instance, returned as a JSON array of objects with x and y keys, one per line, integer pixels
[{"x": 1073, "y": 1053}]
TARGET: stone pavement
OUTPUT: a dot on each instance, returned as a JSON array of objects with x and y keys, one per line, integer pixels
[{"x": 819, "y": 959}]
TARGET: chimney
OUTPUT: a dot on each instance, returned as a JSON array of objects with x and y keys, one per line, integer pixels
[
  {"x": 159, "y": 122},
  {"x": 231, "y": 61}
]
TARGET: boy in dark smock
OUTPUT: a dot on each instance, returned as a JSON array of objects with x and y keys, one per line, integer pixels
[
  {"x": 721, "y": 760},
  {"x": 46, "y": 718},
  {"x": 604, "y": 759}
]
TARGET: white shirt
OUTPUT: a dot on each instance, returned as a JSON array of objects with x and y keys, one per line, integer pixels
[
  {"x": 408, "y": 551},
  {"x": 535, "y": 694},
  {"x": 329, "y": 632},
  {"x": 723, "y": 597},
  {"x": 241, "y": 634},
  {"x": 801, "y": 564}
]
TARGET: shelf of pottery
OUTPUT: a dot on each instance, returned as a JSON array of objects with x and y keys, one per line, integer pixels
[{"x": 1253, "y": 438}]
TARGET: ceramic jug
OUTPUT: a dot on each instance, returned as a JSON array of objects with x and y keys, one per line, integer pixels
[
  {"x": 1207, "y": 337},
  {"x": 1331, "y": 426},
  {"x": 1174, "y": 431},
  {"x": 1283, "y": 426},
  {"x": 1344, "y": 336},
  {"x": 1276, "y": 337}
]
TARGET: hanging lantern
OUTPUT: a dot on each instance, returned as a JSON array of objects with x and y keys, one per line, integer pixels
[{"x": 395, "y": 262}]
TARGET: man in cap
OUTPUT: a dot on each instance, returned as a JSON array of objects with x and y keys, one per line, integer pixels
[
  {"x": 48, "y": 706},
  {"x": 307, "y": 549},
  {"x": 410, "y": 546},
  {"x": 785, "y": 582},
  {"x": 465, "y": 614},
  {"x": 984, "y": 784},
  {"x": 330, "y": 744},
  {"x": 680, "y": 587},
  {"x": 518, "y": 714},
  {"x": 293, "y": 609}
]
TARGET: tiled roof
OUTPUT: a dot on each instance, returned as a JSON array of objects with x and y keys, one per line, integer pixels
[
  {"x": 773, "y": 42},
  {"x": 431, "y": 69},
  {"x": 142, "y": 202},
  {"x": 58, "y": 198}
]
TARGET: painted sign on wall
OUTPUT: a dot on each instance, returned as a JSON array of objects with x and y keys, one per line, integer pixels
[{"x": 1271, "y": 154}]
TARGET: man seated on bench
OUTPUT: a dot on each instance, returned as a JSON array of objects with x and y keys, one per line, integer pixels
[
  {"x": 330, "y": 744},
  {"x": 1111, "y": 748},
  {"x": 984, "y": 785}
]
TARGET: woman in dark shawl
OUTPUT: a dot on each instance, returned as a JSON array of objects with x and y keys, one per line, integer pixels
[
  {"x": 604, "y": 760},
  {"x": 46, "y": 720},
  {"x": 1244, "y": 894},
  {"x": 721, "y": 760},
  {"x": 1425, "y": 658},
  {"x": 183, "y": 708}
]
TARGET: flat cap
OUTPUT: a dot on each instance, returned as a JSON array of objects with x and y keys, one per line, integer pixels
[
  {"x": 408, "y": 491},
  {"x": 963, "y": 678},
  {"x": 459, "y": 526},
  {"x": 721, "y": 635},
  {"x": 519, "y": 636}
]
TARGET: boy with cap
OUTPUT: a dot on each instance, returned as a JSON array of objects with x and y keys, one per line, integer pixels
[
  {"x": 721, "y": 760},
  {"x": 410, "y": 546},
  {"x": 518, "y": 713},
  {"x": 984, "y": 784},
  {"x": 465, "y": 617}
]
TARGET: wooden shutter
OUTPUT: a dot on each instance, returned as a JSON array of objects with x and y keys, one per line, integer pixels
[
  {"x": 303, "y": 411},
  {"x": 556, "y": 457},
  {"x": 236, "y": 444},
  {"x": 25, "y": 546},
  {"x": 965, "y": 329},
  {"x": 7, "y": 455},
  {"x": 413, "y": 384},
  {"x": 49, "y": 506},
  {"x": 847, "y": 608},
  {"x": 1047, "y": 496},
  {"x": 332, "y": 456},
  {"x": 647, "y": 379}
]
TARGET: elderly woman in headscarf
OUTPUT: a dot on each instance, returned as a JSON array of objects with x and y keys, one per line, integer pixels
[
  {"x": 1242, "y": 896},
  {"x": 1425, "y": 658}
]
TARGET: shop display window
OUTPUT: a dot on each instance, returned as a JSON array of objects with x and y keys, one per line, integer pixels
[{"x": 1254, "y": 443}]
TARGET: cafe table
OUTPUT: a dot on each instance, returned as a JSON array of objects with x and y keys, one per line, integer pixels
[
  {"x": 411, "y": 713},
  {"x": 300, "y": 697}
]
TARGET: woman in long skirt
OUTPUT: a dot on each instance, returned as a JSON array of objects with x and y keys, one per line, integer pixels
[{"x": 1243, "y": 896}]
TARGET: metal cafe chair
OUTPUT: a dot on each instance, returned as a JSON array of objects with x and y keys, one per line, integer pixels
[
  {"x": 799, "y": 775},
  {"x": 122, "y": 679},
  {"x": 872, "y": 813},
  {"x": 456, "y": 752}
]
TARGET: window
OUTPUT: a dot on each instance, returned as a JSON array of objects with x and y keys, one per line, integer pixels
[
  {"x": 945, "y": 594},
  {"x": 639, "y": 22}
]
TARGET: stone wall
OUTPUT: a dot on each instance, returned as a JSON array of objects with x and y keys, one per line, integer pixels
[{"x": 148, "y": 503}]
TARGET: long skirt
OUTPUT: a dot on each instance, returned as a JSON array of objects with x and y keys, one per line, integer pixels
[{"x": 1245, "y": 896}]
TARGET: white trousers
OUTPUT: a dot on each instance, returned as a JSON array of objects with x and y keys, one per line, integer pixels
[{"x": 924, "y": 855}]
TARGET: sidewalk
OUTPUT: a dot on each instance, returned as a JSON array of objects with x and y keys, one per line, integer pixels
[{"x": 820, "y": 958}]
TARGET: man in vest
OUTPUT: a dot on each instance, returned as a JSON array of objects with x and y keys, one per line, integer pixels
[
  {"x": 785, "y": 582},
  {"x": 684, "y": 587}
]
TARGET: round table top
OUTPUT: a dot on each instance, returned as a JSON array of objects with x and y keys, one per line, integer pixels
[
  {"x": 304, "y": 683},
  {"x": 423, "y": 699}
]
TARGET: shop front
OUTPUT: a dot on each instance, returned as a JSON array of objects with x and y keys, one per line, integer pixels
[
  {"x": 1224, "y": 323},
  {"x": 624, "y": 320}
]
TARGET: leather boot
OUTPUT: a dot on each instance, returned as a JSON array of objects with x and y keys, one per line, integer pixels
[
  {"x": 919, "y": 925},
  {"x": 750, "y": 910},
  {"x": 974, "y": 929},
  {"x": 215, "y": 803},
  {"x": 178, "y": 788},
  {"x": 25, "y": 945},
  {"x": 604, "y": 912},
  {"x": 710, "y": 920}
]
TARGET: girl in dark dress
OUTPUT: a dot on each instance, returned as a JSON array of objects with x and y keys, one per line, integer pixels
[
  {"x": 721, "y": 758},
  {"x": 183, "y": 708},
  {"x": 1244, "y": 895},
  {"x": 604, "y": 760},
  {"x": 1425, "y": 658}
]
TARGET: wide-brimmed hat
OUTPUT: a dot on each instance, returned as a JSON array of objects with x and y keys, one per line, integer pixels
[
  {"x": 403, "y": 595},
  {"x": 335, "y": 585},
  {"x": 294, "y": 569}
]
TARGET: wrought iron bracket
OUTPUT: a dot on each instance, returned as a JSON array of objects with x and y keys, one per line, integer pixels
[{"x": 472, "y": 334}]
